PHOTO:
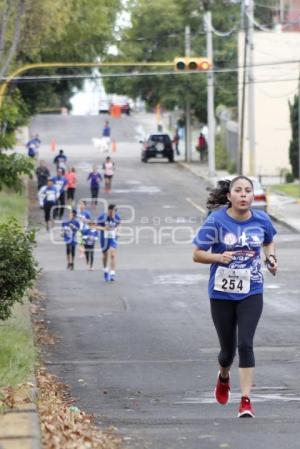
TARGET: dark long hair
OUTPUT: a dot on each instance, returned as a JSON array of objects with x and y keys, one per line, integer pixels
[{"x": 218, "y": 196}]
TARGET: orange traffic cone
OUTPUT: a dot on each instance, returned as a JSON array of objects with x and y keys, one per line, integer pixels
[
  {"x": 53, "y": 145},
  {"x": 113, "y": 146}
]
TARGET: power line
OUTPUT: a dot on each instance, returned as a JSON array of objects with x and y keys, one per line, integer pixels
[{"x": 136, "y": 73}]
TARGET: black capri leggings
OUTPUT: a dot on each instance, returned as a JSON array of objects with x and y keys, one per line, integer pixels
[
  {"x": 235, "y": 323},
  {"x": 70, "y": 250},
  {"x": 89, "y": 254}
]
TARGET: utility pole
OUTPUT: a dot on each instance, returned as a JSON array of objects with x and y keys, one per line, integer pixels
[
  {"x": 240, "y": 166},
  {"x": 281, "y": 11},
  {"x": 187, "y": 41},
  {"x": 251, "y": 99},
  {"x": 210, "y": 98},
  {"x": 299, "y": 130}
]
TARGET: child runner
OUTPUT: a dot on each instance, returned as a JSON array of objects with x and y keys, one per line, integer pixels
[
  {"x": 235, "y": 234},
  {"x": 108, "y": 224},
  {"x": 70, "y": 228},
  {"x": 84, "y": 216},
  {"x": 89, "y": 238},
  {"x": 109, "y": 168}
]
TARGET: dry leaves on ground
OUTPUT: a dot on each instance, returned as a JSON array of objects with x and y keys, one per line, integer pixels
[
  {"x": 16, "y": 397},
  {"x": 65, "y": 426}
]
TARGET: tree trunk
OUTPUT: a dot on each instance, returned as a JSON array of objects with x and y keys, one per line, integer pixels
[{"x": 16, "y": 38}]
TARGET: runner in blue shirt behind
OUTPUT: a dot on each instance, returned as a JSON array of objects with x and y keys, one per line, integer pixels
[
  {"x": 108, "y": 224},
  {"x": 89, "y": 237},
  {"x": 69, "y": 230},
  {"x": 83, "y": 215},
  {"x": 48, "y": 196},
  {"x": 235, "y": 234},
  {"x": 60, "y": 183}
]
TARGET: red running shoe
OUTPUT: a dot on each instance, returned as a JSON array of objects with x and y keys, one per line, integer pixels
[
  {"x": 246, "y": 410},
  {"x": 222, "y": 390}
]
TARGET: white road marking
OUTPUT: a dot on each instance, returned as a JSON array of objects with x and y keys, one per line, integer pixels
[
  {"x": 208, "y": 398},
  {"x": 179, "y": 279},
  {"x": 139, "y": 189},
  {"x": 197, "y": 206}
]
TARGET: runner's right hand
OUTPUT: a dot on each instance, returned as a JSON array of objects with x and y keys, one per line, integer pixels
[{"x": 226, "y": 257}]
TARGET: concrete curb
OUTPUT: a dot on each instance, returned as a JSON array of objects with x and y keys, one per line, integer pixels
[
  {"x": 282, "y": 222},
  {"x": 20, "y": 426}
]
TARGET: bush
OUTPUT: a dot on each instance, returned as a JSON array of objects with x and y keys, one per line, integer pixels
[
  {"x": 289, "y": 177},
  {"x": 294, "y": 145},
  {"x": 221, "y": 154},
  {"x": 18, "y": 268}
]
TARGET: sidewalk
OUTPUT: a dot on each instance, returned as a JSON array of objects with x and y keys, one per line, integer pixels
[
  {"x": 19, "y": 425},
  {"x": 281, "y": 208}
]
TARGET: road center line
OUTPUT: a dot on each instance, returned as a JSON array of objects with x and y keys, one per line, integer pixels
[{"x": 197, "y": 206}]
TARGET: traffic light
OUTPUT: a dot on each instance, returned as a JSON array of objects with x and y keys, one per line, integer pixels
[{"x": 192, "y": 64}]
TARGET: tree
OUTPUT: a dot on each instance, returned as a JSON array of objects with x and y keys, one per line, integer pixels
[
  {"x": 12, "y": 12},
  {"x": 157, "y": 34},
  {"x": 294, "y": 143},
  {"x": 13, "y": 166},
  {"x": 54, "y": 30}
]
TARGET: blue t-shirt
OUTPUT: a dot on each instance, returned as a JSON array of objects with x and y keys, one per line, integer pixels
[
  {"x": 50, "y": 194},
  {"x": 70, "y": 228},
  {"x": 89, "y": 236},
  {"x": 106, "y": 131},
  {"x": 242, "y": 277},
  {"x": 61, "y": 183},
  {"x": 111, "y": 223}
]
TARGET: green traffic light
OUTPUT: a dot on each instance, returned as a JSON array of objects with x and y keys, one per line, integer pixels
[{"x": 180, "y": 65}]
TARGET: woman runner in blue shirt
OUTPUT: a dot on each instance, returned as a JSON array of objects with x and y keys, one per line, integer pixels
[{"x": 235, "y": 234}]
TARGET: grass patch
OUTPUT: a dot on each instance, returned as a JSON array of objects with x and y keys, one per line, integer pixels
[
  {"x": 17, "y": 352},
  {"x": 12, "y": 205},
  {"x": 289, "y": 189}
]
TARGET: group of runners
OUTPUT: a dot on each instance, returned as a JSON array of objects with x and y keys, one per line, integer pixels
[
  {"x": 80, "y": 229},
  {"x": 57, "y": 199}
]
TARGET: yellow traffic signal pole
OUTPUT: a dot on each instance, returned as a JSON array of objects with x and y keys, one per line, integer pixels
[{"x": 57, "y": 65}]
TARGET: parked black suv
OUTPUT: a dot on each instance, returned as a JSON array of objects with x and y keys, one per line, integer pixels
[{"x": 158, "y": 145}]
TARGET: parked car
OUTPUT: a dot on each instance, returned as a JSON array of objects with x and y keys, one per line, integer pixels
[
  {"x": 157, "y": 145},
  {"x": 104, "y": 106},
  {"x": 260, "y": 197}
]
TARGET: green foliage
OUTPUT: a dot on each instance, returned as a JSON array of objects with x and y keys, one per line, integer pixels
[
  {"x": 157, "y": 34},
  {"x": 13, "y": 167},
  {"x": 18, "y": 268},
  {"x": 221, "y": 154},
  {"x": 64, "y": 31},
  {"x": 13, "y": 205},
  {"x": 294, "y": 144},
  {"x": 289, "y": 177},
  {"x": 12, "y": 115}
]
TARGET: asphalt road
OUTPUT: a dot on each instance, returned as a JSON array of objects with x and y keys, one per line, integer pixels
[{"x": 140, "y": 353}]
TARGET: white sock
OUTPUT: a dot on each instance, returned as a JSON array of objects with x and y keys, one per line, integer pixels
[
  {"x": 112, "y": 272},
  {"x": 106, "y": 270}
]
